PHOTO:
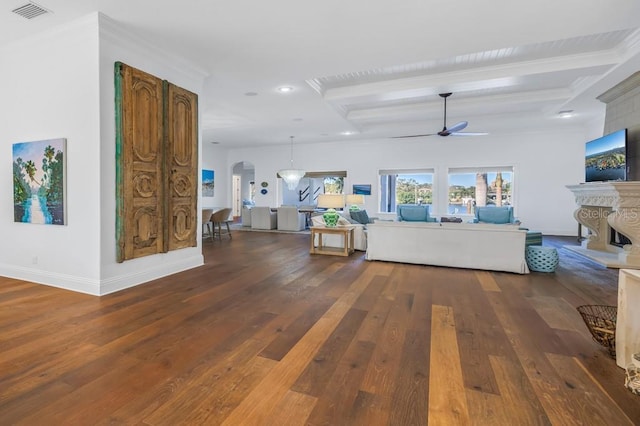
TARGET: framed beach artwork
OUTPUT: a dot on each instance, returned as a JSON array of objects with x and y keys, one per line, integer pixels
[
  {"x": 208, "y": 184},
  {"x": 39, "y": 182}
]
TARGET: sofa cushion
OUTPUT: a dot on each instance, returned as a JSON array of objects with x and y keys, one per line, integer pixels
[{"x": 360, "y": 216}]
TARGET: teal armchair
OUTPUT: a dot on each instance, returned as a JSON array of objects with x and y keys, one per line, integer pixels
[
  {"x": 414, "y": 213},
  {"x": 495, "y": 215}
]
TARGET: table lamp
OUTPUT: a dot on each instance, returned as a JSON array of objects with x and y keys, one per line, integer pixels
[
  {"x": 354, "y": 201},
  {"x": 331, "y": 202}
]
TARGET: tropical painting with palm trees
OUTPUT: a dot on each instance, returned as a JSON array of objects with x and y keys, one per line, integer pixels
[{"x": 38, "y": 182}]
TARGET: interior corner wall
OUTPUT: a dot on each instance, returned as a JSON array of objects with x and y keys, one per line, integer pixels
[
  {"x": 215, "y": 158},
  {"x": 117, "y": 44},
  {"x": 544, "y": 163},
  {"x": 50, "y": 90},
  {"x": 623, "y": 112}
]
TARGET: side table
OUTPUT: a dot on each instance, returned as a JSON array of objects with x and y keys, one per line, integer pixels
[{"x": 347, "y": 233}]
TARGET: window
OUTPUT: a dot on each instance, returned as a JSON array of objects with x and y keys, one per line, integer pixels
[
  {"x": 333, "y": 184},
  {"x": 480, "y": 186},
  {"x": 405, "y": 187}
]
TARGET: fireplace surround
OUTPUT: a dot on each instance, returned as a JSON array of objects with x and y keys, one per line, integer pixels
[{"x": 605, "y": 205}]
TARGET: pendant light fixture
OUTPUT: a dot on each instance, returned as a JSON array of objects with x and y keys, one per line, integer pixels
[{"x": 291, "y": 176}]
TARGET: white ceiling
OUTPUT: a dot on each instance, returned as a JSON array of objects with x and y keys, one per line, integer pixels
[{"x": 375, "y": 67}]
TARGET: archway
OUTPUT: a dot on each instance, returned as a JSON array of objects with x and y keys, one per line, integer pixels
[{"x": 243, "y": 185}]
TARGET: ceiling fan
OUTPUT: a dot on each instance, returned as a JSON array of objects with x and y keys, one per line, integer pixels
[{"x": 451, "y": 131}]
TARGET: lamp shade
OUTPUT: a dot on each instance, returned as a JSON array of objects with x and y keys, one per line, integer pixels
[
  {"x": 331, "y": 201},
  {"x": 291, "y": 177},
  {"x": 355, "y": 199}
]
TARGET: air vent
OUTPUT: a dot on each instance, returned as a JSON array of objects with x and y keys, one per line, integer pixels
[{"x": 30, "y": 11}]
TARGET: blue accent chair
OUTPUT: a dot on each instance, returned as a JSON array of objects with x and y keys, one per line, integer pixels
[
  {"x": 413, "y": 213},
  {"x": 495, "y": 215}
]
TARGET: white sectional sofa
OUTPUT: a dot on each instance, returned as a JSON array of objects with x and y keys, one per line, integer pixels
[{"x": 459, "y": 245}]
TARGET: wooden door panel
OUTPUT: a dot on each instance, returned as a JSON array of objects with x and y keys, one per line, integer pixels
[
  {"x": 139, "y": 151},
  {"x": 181, "y": 127}
]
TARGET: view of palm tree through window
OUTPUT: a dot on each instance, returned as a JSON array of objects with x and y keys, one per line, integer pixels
[{"x": 468, "y": 190}]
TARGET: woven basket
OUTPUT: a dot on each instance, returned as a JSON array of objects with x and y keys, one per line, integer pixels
[
  {"x": 632, "y": 379},
  {"x": 601, "y": 322}
]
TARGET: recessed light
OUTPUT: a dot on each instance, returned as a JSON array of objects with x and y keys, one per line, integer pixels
[
  {"x": 568, "y": 113},
  {"x": 285, "y": 89},
  {"x": 347, "y": 133},
  {"x": 298, "y": 119},
  {"x": 215, "y": 143},
  {"x": 251, "y": 94}
]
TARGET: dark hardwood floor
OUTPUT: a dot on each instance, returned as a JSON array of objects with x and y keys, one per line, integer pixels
[{"x": 265, "y": 334}]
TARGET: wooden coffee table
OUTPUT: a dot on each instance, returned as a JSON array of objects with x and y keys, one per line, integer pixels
[{"x": 347, "y": 233}]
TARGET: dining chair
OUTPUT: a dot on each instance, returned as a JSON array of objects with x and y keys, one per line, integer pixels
[
  {"x": 217, "y": 219},
  {"x": 206, "y": 223}
]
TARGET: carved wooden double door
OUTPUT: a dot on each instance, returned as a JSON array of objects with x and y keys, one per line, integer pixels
[{"x": 156, "y": 164}]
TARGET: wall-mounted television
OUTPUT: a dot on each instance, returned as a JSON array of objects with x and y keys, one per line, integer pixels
[
  {"x": 606, "y": 157},
  {"x": 362, "y": 189}
]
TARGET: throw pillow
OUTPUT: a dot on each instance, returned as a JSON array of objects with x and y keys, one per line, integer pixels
[
  {"x": 347, "y": 217},
  {"x": 342, "y": 221},
  {"x": 360, "y": 216},
  {"x": 451, "y": 219}
]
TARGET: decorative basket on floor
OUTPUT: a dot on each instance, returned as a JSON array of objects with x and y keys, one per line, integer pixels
[
  {"x": 601, "y": 322},
  {"x": 542, "y": 259},
  {"x": 632, "y": 378}
]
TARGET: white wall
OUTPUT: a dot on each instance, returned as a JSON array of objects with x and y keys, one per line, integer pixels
[
  {"x": 50, "y": 89},
  {"x": 60, "y": 84},
  {"x": 544, "y": 162},
  {"x": 214, "y": 158}
]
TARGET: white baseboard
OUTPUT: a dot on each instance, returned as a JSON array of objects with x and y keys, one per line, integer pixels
[
  {"x": 121, "y": 282},
  {"x": 100, "y": 287},
  {"x": 65, "y": 281}
]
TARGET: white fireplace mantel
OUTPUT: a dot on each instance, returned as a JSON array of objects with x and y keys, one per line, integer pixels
[{"x": 604, "y": 204}]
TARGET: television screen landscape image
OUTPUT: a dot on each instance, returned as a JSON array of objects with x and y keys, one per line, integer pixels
[{"x": 605, "y": 158}]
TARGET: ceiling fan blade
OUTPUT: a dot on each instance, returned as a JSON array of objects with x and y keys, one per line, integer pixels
[
  {"x": 468, "y": 134},
  {"x": 451, "y": 131},
  {"x": 411, "y": 136},
  {"x": 458, "y": 126}
]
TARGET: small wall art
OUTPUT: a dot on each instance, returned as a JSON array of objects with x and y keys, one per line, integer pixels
[
  {"x": 208, "y": 183},
  {"x": 39, "y": 182}
]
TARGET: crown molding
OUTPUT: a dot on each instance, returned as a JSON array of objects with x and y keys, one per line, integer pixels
[
  {"x": 113, "y": 32},
  {"x": 625, "y": 86}
]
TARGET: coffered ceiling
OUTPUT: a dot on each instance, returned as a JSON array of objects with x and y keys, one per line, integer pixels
[{"x": 374, "y": 68}]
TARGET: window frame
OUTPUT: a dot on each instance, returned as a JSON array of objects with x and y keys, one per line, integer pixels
[
  {"x": 481, "y": 169},
  {"x": 383, "y": 193}
]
